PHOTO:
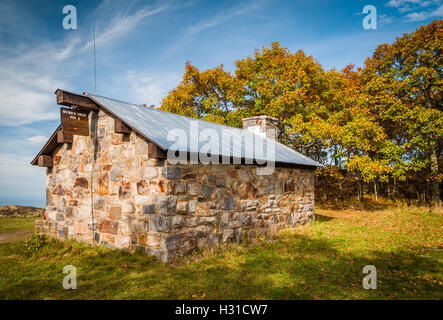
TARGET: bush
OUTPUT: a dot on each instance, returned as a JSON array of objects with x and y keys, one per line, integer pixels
[{"x": 36, "y": 242}]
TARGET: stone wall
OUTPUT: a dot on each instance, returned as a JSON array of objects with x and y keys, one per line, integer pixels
[{"x": 160, "y": 208}]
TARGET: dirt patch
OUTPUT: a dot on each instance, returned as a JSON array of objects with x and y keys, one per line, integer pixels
[{"x": 14, "y": 236}]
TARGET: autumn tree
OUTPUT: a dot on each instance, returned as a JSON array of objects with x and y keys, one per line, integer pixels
[
  {"x": 373, "y": 125},
  {"x": 274, "y": 82},
  {"x": 291, "y": 87},
  {"x": 212, "y": 95},
  {"x": 406, "y": 77}
]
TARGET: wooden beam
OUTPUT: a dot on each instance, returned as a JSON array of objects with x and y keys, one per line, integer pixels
[
  {"x": 120, "y": 127},
  {"x": 71, "y": 99},
  {"x": 62, "y": 137},
  {"x": 45, "y": 161},
  {"x": 49, "y": 147},
  {"x": 156, "y": 152}
]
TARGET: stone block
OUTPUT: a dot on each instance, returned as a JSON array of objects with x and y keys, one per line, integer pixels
[
  {"x": 153, "y": 241},
  {"x": 229, "y": 203},
  {"x": 171, "y": 172},
  {"x": 142, "y": 187},
  {"x": 178, "y": 222},
  {"x": 160, "y": 224},
  {"x": 192, "y": 206},
  {"x": 180, "y": 187},
  {"x": 99, "y": 203},
  {"x": 68, "y": 212},
  {"x": 62, "y": 232},
  {"x": 214, "y": 239},
  {"x": 182, "y": 207},
  {"x": 193, "y": 189},
  {"x": 209, "y": 220},
  {"x": 138, "y": 227},
  {"x": 227, "y": 236},
  {"x": 234, "y": 224},
  {"x": 168, "y": 205},
  {"x": 245, "y": 219},
  {"x": 224, "y": 221},
  {"x": 116, "y": 173},
  {"x": 206, "y": 190},
  {"x": 127, "y": 207},
  {"x": 212, "y": 179},
  {"x": 192, "y": 222},
  {"x": 151, "y": 173},
  {"x": 149, "y": 209},
  {"x": 170, "y": 242},
  {"x": 124, "y": 191},
  {"x": 108, "y": 226}
]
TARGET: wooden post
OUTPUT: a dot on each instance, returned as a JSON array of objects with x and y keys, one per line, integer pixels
[
  {"x": 45, "y": 161},
  {"x": 120, "y": 127},
  {"x": 155, "y": 152},
  {"x": 62, "y": 137}
]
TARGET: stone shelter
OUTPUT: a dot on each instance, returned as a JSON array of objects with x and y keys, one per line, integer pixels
[{"x": 132, "y": 177}]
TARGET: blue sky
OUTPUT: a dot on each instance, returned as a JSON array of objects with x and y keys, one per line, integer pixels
[{"x": 142, "y": 47}]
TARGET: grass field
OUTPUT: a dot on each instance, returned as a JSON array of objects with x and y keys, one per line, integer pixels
[
  {"x": 323, "y": 260},
  {"x": 15, "y": 229}
]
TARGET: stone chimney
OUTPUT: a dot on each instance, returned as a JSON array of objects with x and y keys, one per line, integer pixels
[{"x": 263, "y": 125}]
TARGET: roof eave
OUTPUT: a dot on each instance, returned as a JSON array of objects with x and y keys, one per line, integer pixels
[{"x": 49, "y": 146}]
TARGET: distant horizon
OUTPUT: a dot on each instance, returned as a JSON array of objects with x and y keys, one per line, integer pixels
[{"x": 38, "y": 202}]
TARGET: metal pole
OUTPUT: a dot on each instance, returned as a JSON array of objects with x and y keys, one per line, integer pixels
[{"x": 95, "y": 68}]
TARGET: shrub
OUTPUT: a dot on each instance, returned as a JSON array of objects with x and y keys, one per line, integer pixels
[{"x": 36, "y": 242}]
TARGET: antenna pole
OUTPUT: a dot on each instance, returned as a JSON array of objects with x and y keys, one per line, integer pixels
[
  {"x": 95, "y": 67},
  {"x": 94, "y": 141}
]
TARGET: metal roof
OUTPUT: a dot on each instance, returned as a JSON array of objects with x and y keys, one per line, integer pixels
[{"x": 156, "y": 125}]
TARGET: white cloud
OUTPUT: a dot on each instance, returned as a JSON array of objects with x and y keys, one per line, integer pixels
[
  {"x": 384, "y": 19},
  {"x": 423, "y": 15},
  {"x": 31, "y": 74},
  {"x": 401, "y": 3},
  {"x": 222, "y": 17},
  {"x": 122, "y": 24},
  {"x": 418, "y": 9},
  {"x": 27, "y": 85},
  {"x": 37, "y": 139},
  {"x": 151, "y": 88},
  {"x": 31, "y": 70},
  {"x": 425, "y": 3},
  {"x": 19, "y": 178}
]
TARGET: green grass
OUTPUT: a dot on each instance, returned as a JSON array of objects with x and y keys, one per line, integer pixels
[
  {"x": 323, "y": 260},
  {"x": 9, "y": 225}
]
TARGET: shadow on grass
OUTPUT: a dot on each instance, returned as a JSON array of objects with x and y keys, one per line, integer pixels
[
  {"x": 313, "y": 269},
  {"x": 368, "y": 203},
  {"x": 322, "y": 218},
  {"x": 293, "y": 267}
]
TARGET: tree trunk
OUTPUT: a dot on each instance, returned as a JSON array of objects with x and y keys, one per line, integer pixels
[
  {"x": 394, "y": 188},
  {"x": 435, "y": 185},
  {"x": 325, "y": 197},
  {"x": 375, "y": 191},
  {"x": 389, "y": 190},
  {"x": 359, "y": 191}
]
